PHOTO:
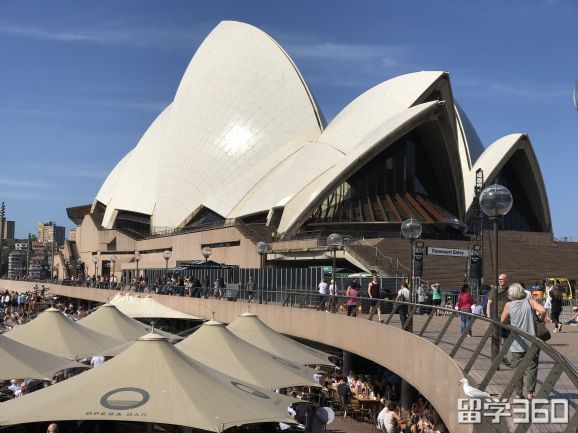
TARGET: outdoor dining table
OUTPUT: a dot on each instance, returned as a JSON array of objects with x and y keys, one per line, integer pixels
[{"x": 372, "y": 404}]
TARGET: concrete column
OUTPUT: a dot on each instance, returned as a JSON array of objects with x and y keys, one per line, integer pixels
[
  {"x": 408, "y": 395},
  {"x": 348, "y": 362}
]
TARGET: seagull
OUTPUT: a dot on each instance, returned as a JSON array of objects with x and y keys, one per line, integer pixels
[{"x": 472, "y": 392}]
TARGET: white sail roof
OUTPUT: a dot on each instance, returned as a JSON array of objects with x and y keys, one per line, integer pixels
[
  {"x": 244, "y": 135},
  {"x": 54, "y": 333},
  {"x": 216, "y": 346}
]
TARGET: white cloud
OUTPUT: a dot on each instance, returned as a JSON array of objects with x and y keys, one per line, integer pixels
[
  {"x": 112, "y": 34},
  {"x": 387, "y": 55},
  {"x": 23, "y": 183},
  {"x": 331, "y": 63},
  {"x": 525, "y": 90}
]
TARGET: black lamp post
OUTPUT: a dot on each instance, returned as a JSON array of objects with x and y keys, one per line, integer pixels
[
  {"x": 79, "y": 267},
  {"x": 95, "y": 261},
  {"x": 113, "y": 260},
  {"x": 496, "y": 201},
  {"x": 262, "y": 248},
  {"x": 206, "y": 252},
  {"x": 411, "y": 229},
  {"x": 137, "y": 258},
  {"x": 334, "y": 243}
]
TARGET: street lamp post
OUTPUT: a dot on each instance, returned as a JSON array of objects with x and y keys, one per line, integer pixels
[
  {"x": 137, "y": 258},
  {"x": 167, "y": 255},
  {"x": 113, "y": 260},
  {"x": 79, "y": 266},
  {"x": 496, "y": 201},
  {"x": 411, "y": 229},
  {"x": 95, "y": 261},
  {"x": 261, "y": 248},
  {"x": 334, "y": 243},
  {"x": 206, "y": 252}
]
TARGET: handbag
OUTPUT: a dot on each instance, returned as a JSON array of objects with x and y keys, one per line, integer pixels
[{"x": 540, "y": 329}]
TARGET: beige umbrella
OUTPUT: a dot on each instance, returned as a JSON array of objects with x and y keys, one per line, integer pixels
[
  {"x": 54, "y": 333},
  {"x": 249, "y": 328},
  {"x": 151, "y": 382},
  {"x": 23, "y": 362},
  {"x": 147, "y": 307},
  {"x": 214, "y": 345},
  {"x": 109, "y": 320}
]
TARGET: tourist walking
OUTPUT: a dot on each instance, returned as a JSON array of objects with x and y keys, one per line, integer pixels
[
  {"x": 520, "y": 312},
  {"x": 421, "y": 296},
  {"x": 251, "y": 288},
  {"x": 323, "y": 289},
  {"x": 333, "y": 293},
  {"x": 500, "y": 295},
  {"x": 436, "y": 296},
  {"x": 556, "y": 295},
  {"x": 403, "y": 295},
  {"x": 352, "y": 293},
  {"x": 373, "y": 293},
  {"x": 464, "y": 304}
]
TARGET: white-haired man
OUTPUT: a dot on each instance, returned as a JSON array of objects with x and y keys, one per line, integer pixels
[{"x": 520, "y": 313}]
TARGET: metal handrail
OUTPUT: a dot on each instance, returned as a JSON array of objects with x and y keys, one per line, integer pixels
[{"x": 363, "y": 242}]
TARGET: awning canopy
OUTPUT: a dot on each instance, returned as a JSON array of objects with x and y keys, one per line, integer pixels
[
  {"x": 54, "y": 333},
  {"x": 109, "y": 320},
  {"x": 249, "y": 328},
  {"x": 147, "y": 307},
  {"x": 214, "y": 345},
  {"x": 19, "y": 361},
  {"x": 151, "y": 382}
]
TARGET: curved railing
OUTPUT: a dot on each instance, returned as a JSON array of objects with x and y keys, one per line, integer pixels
[{"x": 557, "y": 376}]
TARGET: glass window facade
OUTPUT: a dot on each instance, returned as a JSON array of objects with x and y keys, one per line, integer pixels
[{"x": 405, "y": 168}]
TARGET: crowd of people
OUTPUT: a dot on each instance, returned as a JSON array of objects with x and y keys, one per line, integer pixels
[{"x": 386, "y": 390}]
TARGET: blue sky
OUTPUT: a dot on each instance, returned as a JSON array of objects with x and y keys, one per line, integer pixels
[{"x": 81, "y": 81}]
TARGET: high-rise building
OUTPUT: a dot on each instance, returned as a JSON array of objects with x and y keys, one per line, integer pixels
[
  {"x": 49, "y": 232},
  {"x": 72, "y": 234},
  {"x": 17, "y": 263},
  {"x": 8, "y": 230}
]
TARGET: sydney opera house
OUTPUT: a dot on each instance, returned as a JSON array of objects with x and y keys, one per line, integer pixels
[{"x": 243, "y": 153}]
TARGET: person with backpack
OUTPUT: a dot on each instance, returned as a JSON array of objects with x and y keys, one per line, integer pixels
[
  {"x": 556, "y": 295},
  {"x": 403, "y": 295},
  {"x": 373, "y": 293}
]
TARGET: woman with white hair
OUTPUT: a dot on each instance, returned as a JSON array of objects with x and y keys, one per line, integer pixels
[{"x": 520, "y": 311}]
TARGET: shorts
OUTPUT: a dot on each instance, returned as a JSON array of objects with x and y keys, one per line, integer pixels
[{"x": 436, "y": 302}]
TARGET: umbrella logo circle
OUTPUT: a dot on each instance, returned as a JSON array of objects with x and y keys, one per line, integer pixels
[
  {"x": 249, "y": 390},
  {"x": 128, "y": 401}
]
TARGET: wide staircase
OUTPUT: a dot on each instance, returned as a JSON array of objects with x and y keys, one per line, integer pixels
[{"x": 524, "y": 260}]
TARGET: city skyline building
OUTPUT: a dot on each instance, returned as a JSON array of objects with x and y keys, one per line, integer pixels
[
  {"x": 9, "y": 230},
  {"x": 49, "y": 232}
]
